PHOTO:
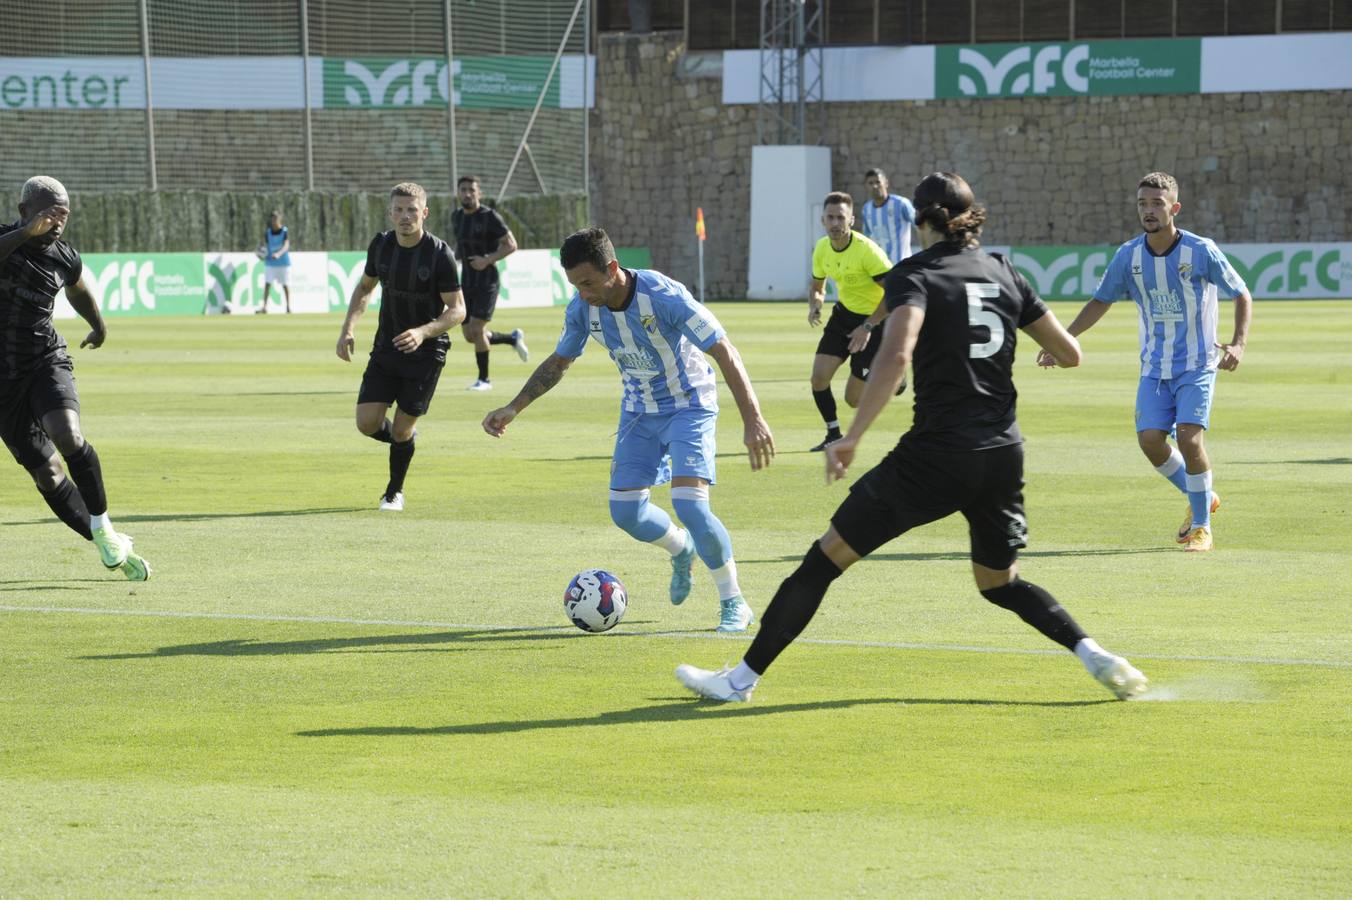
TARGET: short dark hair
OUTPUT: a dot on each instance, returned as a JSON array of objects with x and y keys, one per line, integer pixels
[
  {"x": 465, "y": 178},
  {"x": 839, "y": 197},
  {"x": 1161, "y": 180},
  {"x": 409, "y": 189},
  {"x": 946, "y": 202},
  {"x": 590, "y": 245},
  {"x": 876, "y": 171}
]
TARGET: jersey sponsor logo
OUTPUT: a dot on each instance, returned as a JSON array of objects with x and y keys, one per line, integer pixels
[
  {"x": 638, "y": 363},
  {"x": 1165, "y": 305},
  {"x": 700, "y": 326}
]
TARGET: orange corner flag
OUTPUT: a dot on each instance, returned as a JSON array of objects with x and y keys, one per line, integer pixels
[{"x": 699, "y": 222}]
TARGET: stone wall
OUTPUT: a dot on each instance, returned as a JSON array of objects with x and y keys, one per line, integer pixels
[{"x": 1252, "y": 167}]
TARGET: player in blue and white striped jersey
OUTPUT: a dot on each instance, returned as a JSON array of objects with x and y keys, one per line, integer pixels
[
  {"x": 657, "y": 334},
  {"x": 1174, "y": 276},
  {"x": 887, "y": 218}
]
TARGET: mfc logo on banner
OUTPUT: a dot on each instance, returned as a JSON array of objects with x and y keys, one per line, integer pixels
[
  {"x": 1079, "y": 69},
  {"x": 1021, "y": 71},
  {"x": 386, "y": 83},
  {"x": 118, "y": 285}
]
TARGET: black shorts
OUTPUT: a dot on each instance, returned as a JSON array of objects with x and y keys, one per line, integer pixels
[
  {"x": 23, "y": 403},
  {"x": 836, "y": 340},
  {"x": 480, "y": 299},
  {"x": 409, "y": 380},
  {"x": 913, "y": 487}
]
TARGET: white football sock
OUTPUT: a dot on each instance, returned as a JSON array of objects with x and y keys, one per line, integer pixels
[
  {"x": 1091, "y": 654},
  {"x": 742, "y": 677},
  {"x": 725, "y": 577},
  {"x": 673, "y": 541},
  {"x": 100, "y": 521}
]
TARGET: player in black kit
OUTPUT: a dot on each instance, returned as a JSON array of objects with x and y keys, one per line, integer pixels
[
  {"x": 39, "y": 407},
  {"x": 953, "y": 311},
  {"x": 419, "y": 302},
  {"x": 481, "y": 239}
]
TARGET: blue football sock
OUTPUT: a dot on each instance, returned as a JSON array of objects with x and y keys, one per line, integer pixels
[
  {"x": 712, "y": 541},
  {"x": 640, "y": 519},
  {"x": 1199, "y": 498},
  {"x": 1174, "y": 471}
]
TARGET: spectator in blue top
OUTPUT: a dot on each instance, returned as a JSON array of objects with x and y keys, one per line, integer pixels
[{"x": 276, "y": 260}]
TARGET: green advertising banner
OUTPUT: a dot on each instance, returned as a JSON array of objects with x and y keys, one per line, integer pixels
[
  {"x": 1272, "y": 271},
  {"x": 163, "y": 284},
  {"x": 1075, "y": 69},
  {"x": 481, "y": 82}
]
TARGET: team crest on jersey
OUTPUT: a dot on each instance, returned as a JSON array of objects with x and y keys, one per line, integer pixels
[
  {"x": 424, "y": 273},
  {"x": 1184, "y": 269},
  {"x": 649, "y": 323}
]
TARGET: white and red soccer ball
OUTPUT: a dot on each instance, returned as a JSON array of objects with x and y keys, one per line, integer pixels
[{"x": 595, "y": 600}]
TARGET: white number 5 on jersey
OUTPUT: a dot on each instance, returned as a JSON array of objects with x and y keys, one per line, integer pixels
[{"x": 982, "y": 318}]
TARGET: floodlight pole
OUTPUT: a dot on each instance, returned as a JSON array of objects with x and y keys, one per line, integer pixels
[
  {"x": 150, "y": 106},
  {"x": 305, "y": 80},
  {"x": 450, "y": 97}
]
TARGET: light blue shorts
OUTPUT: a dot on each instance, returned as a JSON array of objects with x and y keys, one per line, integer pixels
[
  {"x": 650, "y": 448},
  {"x": 1162, "y": 403}
]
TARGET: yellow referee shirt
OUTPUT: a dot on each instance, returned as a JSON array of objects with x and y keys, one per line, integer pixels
[{"x": 853, "y": 270}]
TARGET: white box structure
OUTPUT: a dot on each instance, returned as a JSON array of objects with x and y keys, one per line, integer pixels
[{"x": 788, "y": 184}]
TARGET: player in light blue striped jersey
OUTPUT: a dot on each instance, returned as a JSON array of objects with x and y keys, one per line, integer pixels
[
  {"x": 657, "y": 334},
  {"x": 887, "y": 218},
  {"x": 1174, "y": 276}
]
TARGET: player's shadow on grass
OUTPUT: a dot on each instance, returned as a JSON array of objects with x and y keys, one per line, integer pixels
[
  {"x": 34, "y": 584},
  {"x": 207, "y": 517},
  {"x": 284, "y": 394},
  {"x": 423, "y": 642},
  {"x": 610, "y": 456},
  {"x": 963, "y": 555},
  {"x": 678, "y": 711}
]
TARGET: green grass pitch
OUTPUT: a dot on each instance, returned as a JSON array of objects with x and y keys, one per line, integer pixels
[{"x": 311, "y": 696}]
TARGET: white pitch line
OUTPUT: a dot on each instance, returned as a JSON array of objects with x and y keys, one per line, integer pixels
[{"x": 570, "y": 632}]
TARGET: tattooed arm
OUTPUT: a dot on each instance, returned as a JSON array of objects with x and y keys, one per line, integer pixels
[{"x": 546, "y": 375}]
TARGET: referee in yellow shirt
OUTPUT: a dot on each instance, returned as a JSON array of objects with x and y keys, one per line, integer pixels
[{"x": 858, "y": 266}]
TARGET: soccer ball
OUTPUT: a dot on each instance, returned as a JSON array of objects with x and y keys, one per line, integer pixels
[
  {"x": 261, "y": 251},
  {"x": 595, "y": 600}
]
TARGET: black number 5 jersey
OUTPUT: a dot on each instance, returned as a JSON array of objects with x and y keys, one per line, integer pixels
[{"x": 974, "y": 304}]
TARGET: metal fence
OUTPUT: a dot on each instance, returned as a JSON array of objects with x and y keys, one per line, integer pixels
[{"x": 328, "y": 95}]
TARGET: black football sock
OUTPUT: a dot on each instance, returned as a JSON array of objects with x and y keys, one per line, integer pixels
[
  {"x": 793, "y": 606},
  {"x": 826, "y": 405},
  {"x": 384, "y": 435},
  {"x": 69, "y": 507},
  {"x": 481, "y": 357},
  {"x": 1036, "y": 607},
  {"x": 501, "y": 337},
  {"x": 84, "y": 469},
  {"x": 401, "y": 454}
]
